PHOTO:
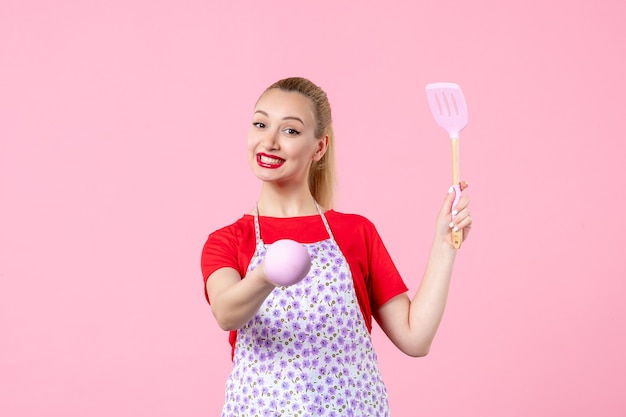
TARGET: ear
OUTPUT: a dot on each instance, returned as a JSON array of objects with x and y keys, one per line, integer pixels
[{"x": 322, "y": 146}]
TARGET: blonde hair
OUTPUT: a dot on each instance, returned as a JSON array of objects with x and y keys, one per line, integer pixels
[{"x": 322, "y": 173}]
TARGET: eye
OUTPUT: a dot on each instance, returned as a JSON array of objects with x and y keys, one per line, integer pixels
[
  {"x": 259, "y": 125},
  {"x": 291, "y": 132}
]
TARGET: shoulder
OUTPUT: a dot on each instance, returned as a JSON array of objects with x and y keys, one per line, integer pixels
[
  {"x": 350, "y": 221},
  {"x": 233, "y": 233},
  {"x": 352, "y": 229},
  {"x": 229, "y": 246},
  {"x": 225, "y": 246},
  {"x": 348, "y": 217},
  {"x": 237, "y": 228}
]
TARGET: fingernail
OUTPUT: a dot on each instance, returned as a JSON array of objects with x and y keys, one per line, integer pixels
[
  {"x": 450, "y": 190},
  {"x": 451, "y": 225},
  {"x": 456, "y": 229},
  {"x": 454, "y": 213}
]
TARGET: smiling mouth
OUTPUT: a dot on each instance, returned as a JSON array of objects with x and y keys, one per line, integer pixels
[{"x": 268, "y": 161}]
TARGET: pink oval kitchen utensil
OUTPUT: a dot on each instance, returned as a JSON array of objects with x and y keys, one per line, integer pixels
[{"x": 450, "y": 111}]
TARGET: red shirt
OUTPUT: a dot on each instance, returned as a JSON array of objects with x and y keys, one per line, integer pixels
[{"x": 376, "y": 279}]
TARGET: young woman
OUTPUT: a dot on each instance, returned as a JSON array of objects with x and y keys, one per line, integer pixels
[{"x": 305, "y": 349}]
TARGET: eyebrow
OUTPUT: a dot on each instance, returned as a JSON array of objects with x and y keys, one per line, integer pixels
[{"x": 284, "y": 118}]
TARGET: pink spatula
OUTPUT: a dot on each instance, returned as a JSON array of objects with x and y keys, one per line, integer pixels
[{"x": 450, "y": 111}]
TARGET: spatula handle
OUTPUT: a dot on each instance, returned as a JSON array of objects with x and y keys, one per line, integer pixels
[{"x": 457, "y": 236}]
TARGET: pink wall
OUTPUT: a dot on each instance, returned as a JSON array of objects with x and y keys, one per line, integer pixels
[{"x": 122, "y": 133}]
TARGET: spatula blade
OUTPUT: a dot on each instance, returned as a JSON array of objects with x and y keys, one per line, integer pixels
[{"x": 448, "y": 106}]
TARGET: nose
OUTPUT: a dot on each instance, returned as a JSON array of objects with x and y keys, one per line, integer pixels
[{"x": 270, "y": 139}]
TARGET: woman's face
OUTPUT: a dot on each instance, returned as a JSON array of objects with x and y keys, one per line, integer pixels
[{"x": 281, "y": 142}]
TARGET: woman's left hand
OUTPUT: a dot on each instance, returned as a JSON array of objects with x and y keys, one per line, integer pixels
[{"x": 454, "y": 218}]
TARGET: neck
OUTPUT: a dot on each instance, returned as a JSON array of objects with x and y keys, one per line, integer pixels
[{"x": 279, "y": 202}]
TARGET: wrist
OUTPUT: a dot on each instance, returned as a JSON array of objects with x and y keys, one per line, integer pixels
[
  {"x": 443, "y": 247},
  {"x": 261, "y": 278}
]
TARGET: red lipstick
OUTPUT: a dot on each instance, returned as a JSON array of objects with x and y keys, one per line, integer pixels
[{"x": 269, "y": 161}]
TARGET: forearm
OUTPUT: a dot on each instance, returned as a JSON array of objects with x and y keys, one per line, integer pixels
[
  {"x": 235, "y": 305},
  {"x": 428, "y": 304},
  {"x": 412, "y": 324}
]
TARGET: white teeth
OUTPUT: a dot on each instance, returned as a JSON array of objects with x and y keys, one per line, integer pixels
[{"x": 269, "y": 160}]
